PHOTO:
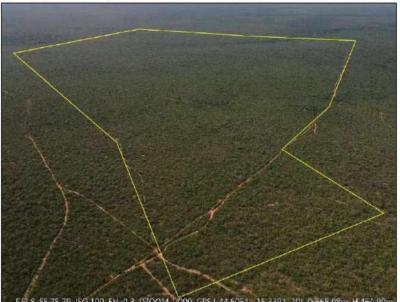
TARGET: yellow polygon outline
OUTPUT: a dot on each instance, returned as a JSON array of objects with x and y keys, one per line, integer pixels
[{"x": 283, "y": 149}]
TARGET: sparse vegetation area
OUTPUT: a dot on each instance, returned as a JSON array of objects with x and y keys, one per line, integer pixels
[{"x": 201, "y": 121}]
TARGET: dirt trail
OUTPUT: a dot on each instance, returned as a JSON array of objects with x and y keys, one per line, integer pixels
[
  {"x": 151, "y": 257},
  {"x": 156, "y": 280},
  {"x": 39, "y": 270},
  {"x": 64, "y": 192},
  {"x": 241, "y": 185},
  {"x": 204, "y": 276},
  {"x": 130, "y": 269},
  {"x": 211, "y": 213},
  {"x": 106, "y": 212}
]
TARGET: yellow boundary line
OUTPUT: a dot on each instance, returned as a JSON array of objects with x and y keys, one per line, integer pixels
[
  {"x": 333, "y": 181},
  {"x": 330, "y": 102},
  {"x": 134, "y": 187},
  {"x": 283, "y": 254},
  {"x": 106, "y": 133}
]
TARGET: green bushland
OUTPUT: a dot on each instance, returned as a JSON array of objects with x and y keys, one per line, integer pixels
[{"x": 195, "y": 116}]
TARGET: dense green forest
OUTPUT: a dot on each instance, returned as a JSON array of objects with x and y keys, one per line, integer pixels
[{"x": 201, "y": 121}]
